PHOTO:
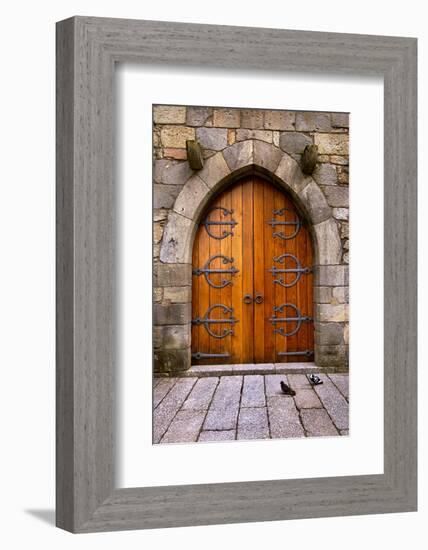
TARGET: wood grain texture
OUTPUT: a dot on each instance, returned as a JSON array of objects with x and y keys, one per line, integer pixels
[{"x": 86, "y": 51}]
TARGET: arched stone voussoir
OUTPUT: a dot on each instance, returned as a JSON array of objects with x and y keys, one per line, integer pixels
[
  {"x": 314, "y": 201},
  {"x": 192, "y": 198},
  {"x": 328, "y": 247}
]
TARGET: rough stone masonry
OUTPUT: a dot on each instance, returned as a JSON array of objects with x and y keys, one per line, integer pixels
[{"x": 231, "y": 140}]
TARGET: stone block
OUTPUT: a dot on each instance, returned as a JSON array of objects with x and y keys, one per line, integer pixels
[
  {"x": 328, "y": 243},
  {"x": 284, "y": 417},
  {"x": 171, "y": 336},
  {"x": 177, "y": 294},
  {"x": 336, "y": 196},
  {"x": 313, "y": 122},
  {"x": 331, "y": 357},
  {"x": 185, "y": 427},
  {"x": 332, "y": 144},
  {"x": 213, "y": 435},
  {"x": 341, "y": 381},
  {"x": 272, "y": 384},
  {"x": 214, "y": 170},
  {"x": 345, "y": 258},
  {"x": 294, "y": 142},
  {"x": 171, "y": 361},
  {"x": 329, "y": 333},
  {"x": 167, "y": 275},
  {"x": 279, "y": 120},
  {"x": 169, "y": 114},
  {"x": 267, "y": 156},
  {"x": 253, "y": 424},
  {"x": 344, "y": 230},
  {"x": 251, "y": 118},
  {"x": 176, "y": 240},
  {"x": 169, "y": 407},
  {"x": 340, "y": 120},
  {"x": 317, "y": 423},
  {"x": 334, "y": 403},
  {"x": 253, "y": 391},
  {"x": 262, "y": 135},
  {"x": 231, "y": 136},
  {"x": 316, "y": 205},
  {"x": 157, "y": 294},
  {"x": 346, "y": 334},
  {"x": 214, "y": 139},
  {"x": 157, "y": 232},
  {"x": 192, "y": 198},
  {"x": 343, "y": 175},
  {"x": 322, "y": 294},
  {"x": 199, "y": 116},
  {"x": 339, "y": 159},
  {"x": 176, "y": 136},
  {"x": 307, "y": 399},
  {"x": 341, "y": 213},
  {"x": 340, "y": 294},
  {"x": 172, "y": 314},
  {"x": 202, "y": 392},
  {"x": 337, "y": 313},
  {"x": 275, "y": 138},
  {"x": 332, "y": 275},
  {"x": 164, "y": 195},
  {"x": 177, "y": 154},
  {"x": 299, "y": 382},
  {"x": 223, "y": 412},
  {"x": 160, "y": 215},
  {"x": 171, "y": 172},
  {"x": 161, "y": 388},
  {"x": 325, "y": 174},
  {"x": 226, "y": 118},
  {"x": 239, "y": 155}
]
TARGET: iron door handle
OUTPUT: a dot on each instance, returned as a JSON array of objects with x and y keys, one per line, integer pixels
[
  {"x": 259, "y": 299},
  {"x": 248, "y": 299}
]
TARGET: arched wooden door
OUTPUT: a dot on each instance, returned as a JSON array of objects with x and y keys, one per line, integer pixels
[{"x": 252, "y": 279}]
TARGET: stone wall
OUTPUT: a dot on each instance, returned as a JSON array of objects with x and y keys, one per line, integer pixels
[{"x": 226, "y": 137}]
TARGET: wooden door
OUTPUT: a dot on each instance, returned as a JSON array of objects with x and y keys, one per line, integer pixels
[{"x": 252, "y": 279}]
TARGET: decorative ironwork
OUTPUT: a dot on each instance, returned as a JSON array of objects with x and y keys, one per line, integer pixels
[
  {"x": 306, "y": 352},
  {"x": 298, "y": 270},
  {"x": 208, "y": 223},
  {"x": 296, "y": 222},
  {"x": 201, "y": 355},
  {"x": 206, "y": 271},
  {"x": 206, "y": 321},
  {"x": 298, "y": 319}
]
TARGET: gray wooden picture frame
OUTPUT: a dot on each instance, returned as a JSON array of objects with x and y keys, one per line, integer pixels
[{"x": 87, "y": 50}]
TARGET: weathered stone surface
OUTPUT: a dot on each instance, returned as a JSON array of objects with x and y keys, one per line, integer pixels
[
  {"x": 299, "y": 382},
  {"x": 279, "y": 120},
  {"x": 185, "y": 427},
  {"x": 317, "y": 423},
  {"x": 171, "y": 314},
  {"x": 253, "y": 368},
  {"x": 164, "y": 195},
  {"x": 198, "y": 116},
  {"x": 262, "y": 135},
  {"x": 337, "y": 313},
  {"x": 340, "y": 295},
  {"x": 223, "y": 412},
  {"x": 334, "y": 402},
  {"x": 202, "y": 392},
  {"x": 176, "y": 240},
  {"x": 346, "y": 334},
  {"x": 172, "y": 153},
  {"x": 161, "y": 389},
  {"x": 317, "y": 207},
  {"x": 157, "y": 294},
  {"x": 328, "y": 243},
  {"x": 332, "y": 144},
  {"x": 344, "y": 230},
  {"x": 214, "y": 139},
  {"x": 214, "y": 170},
  {"x": 231, "y": 136},
  {"x": 157, "y": 231},
  {"x": 284, "y": 418},
  {"x": 159, "y": 215},
  {"x": 172, "y": 275},
  {"x": 339, "y": 159},
  {"x": 331, "y": 356},
  {"x": 190, "y": 201},
  {"x": 171, "y": 336},
  {"x": 251, "y": 118},
  {"x": 169, "y": 114},
  {"x": 171, "y": 360},
  {"x": 332, "y": 275},
  {"x": 272, "y": 384},
  {"x": 345, "y": 258},
  {"x": 226, "y": 118},
  {"x": 171, "y": 172},
  {"x": 253, "y": 392},
  {"x": 341, "y": 381},
  {"x": 176, "y": 136},
  {"x": 340, "y": 120},
  {"x": 289, "y": 171},
  {"x": 313, "y": 122},
  {"x": 341, "y": 213},
  {"x": 329, "y": 333},
  {"x": 266, "y": 155},
  {"x": 344, "y": 432},
  {"x": 336, "y": 196},
  {"x": 322, "y": 294},
  {"x": 223, "y": 435},
  {"x": 170, "y": 405},
  {"x": 307, "y": 399},
  {"x": 177, "y": 294},
  {"x": 253, "y": 424},
  {"x": 294, "y": 142},
  {"x": 325, "y": 174},
  {"x": 275, "y": 138},
  {"x": 239, "y": 155}
]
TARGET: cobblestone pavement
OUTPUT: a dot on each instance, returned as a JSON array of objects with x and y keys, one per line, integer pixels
[{"x": 248, "y": 407}]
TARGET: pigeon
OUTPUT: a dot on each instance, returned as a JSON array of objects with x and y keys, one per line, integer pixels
[
  {"x": 286, "y": 389},
  {"x": 315, "y": 380}
]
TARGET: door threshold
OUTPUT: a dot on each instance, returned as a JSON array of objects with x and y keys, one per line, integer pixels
[{"x": 253, "y": 368}]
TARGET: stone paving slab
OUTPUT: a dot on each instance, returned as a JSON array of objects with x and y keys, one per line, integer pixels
[
  {"x": 201, "y": 394},
  {"x": 284, "y": 417},
  {"x": 307, "y": 399},
  {"x": 211, "y": 435},
  {"x": 185, "y": 427},
  {"x": 299, "y": 381},
  {"x": 253, "y": 391},
  {"x": 272, "y": 384},
  {"x": 334, "y": 403},
  {"x": 170, "y": 405},
  {"x": 317, "y": 423},
  {"x": 341, "y": 381},
  {"x": 224, "y": 408},
  {"x": 253, "y": 423},
  {"x": 161, "y": 389}
]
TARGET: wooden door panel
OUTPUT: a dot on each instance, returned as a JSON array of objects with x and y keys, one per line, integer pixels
[{"x": 252, "y": 203}]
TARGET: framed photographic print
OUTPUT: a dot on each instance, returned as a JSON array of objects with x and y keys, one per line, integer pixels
[{"x": 236, "y": 292}]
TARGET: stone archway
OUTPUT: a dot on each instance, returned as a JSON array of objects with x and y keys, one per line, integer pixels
[{"x": 172, "y": 324}]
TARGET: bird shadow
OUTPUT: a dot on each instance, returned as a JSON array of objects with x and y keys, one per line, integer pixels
[{"x": 46, "y": 515}]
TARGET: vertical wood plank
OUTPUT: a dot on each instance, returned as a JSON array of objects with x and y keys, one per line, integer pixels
[
  {"x": 259, "y": 270},
  {"x": 247, "y": 274},
  {"x": 237, "y": 292}
]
